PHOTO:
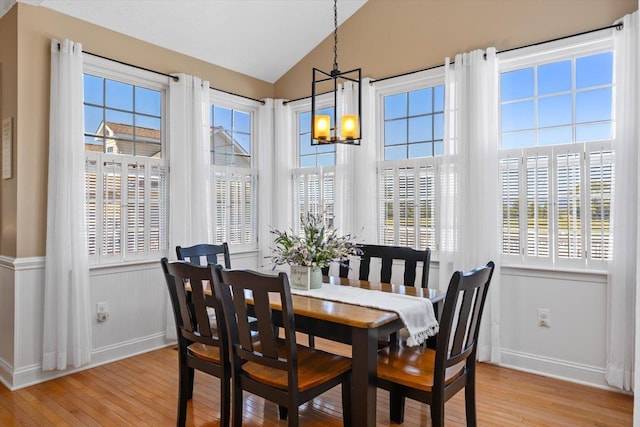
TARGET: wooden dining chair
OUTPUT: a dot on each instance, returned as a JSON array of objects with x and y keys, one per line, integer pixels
[
  {"x": 276, "y": 369},
  {"x": 387, "y": 255},
  {"x": 202, "y": 345},
  {"x": 194, "y": 254},
  {"x": 434, "y": 376}
]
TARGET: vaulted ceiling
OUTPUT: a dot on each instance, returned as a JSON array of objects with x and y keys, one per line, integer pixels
[{"x": 259, "y": 38}]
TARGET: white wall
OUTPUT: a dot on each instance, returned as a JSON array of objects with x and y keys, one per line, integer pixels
[
  {"x": 573, "y": 347},
  {"x": 137, "y": 301}
]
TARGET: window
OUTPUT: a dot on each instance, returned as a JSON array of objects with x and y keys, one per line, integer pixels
[
  {"x": 408, "y": 178},
  {"x": 230, "y": 137},
  {"x": 414, "y": 123},
  {"x": 314, "y": 155},
  {"x": 233, "y": 176},
  {"x": 556, "y": 164},
  {"x": 314, "y": 179},
  {"x": 125, "y": 171}
]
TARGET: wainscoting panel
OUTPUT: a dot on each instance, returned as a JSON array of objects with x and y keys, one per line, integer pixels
[
  {"x": 136, "y": 300},
  {"x": 7, "y": 299}
]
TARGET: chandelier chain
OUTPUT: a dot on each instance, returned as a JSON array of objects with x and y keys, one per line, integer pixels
[{"x": 335, "y": 35}]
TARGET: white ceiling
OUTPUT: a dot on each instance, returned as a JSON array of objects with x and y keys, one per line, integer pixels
[{"x": 259, "y": 38}]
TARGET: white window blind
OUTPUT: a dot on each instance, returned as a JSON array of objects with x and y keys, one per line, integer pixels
[
  {"x": 407, "y": 199},
  {"x": 314, "y": 192},
  {"x": 235, "y": 200},
  {"x": 561, "y": 212},
  {"x": 126, "y": 206}
]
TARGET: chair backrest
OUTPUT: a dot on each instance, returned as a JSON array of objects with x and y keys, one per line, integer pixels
[
  {"x": 194, "y": 253},
  {"x": 266, "y": 349},
  {"x": 460, "y": 323},
  {"x": 190, "y": 304},
  {"x": 388, "y": 254}
]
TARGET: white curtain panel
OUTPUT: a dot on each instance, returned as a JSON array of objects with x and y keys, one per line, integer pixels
[
  {"x": 623, "y": 268},
  {"x": 264, "y": 153},
  {"x": 190, "y": 177},
  {"x": 345, "y": 155},
  {"x": 469, "y": 209},
  {"x": 190, "y": 160},
  {"x": 285, "y": 153},
  {"x": 365, "y": 208},
  {"x": 67, "y": 321}
]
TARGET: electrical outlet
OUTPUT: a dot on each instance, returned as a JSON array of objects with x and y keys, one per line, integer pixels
[
  {"x": 544, "y": 317},
  {"x": 101, "y": 307},
  {"x": 102, "y": 312}
]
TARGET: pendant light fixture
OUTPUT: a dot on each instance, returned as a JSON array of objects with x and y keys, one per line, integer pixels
[{"x": 336, "y": 123}]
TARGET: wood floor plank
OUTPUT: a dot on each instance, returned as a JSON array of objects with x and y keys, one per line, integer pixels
[{"x": 143, "y": 391}]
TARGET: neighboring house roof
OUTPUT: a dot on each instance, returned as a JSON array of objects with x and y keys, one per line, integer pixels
[
  {"x": 226, "y": 149},
  {"x": 121, "y": 129}
]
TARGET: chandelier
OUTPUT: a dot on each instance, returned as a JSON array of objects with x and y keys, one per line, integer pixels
[{"x": 332, "y": 122}]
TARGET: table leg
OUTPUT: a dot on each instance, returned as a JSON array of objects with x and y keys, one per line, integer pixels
[{"x": 363, "y": 380}]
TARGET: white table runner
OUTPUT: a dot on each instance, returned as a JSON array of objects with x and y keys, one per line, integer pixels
[{"x": 416, "y": 313}]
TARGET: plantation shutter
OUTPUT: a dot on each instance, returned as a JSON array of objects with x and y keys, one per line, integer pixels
[
  {"x": 537, "y": 170},
  {"x": 314, "y": 192},
  {"x": 568, "y": 213},
  {"x": 407, "y": 203},
  {"x": 510, "y": 196},
  {"x": 91, "y": 203},
  {"x": 599, "y": 191},
  {"x": 126, "y": 205},
  {"x": 235, "y": 214}
]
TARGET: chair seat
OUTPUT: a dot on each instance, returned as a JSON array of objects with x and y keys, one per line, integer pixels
[
  {"x": 314, "y": 367},
  {"x": 412, "y": 366},
  {"x": 205, "y": 352}
]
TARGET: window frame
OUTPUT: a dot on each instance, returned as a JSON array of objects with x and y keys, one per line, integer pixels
[
  {"x": 245, "y": 105},
  {"x": 115, "y": 71},
  {"x": 404, "y": 84},
  {"x": 322, "y": 172},
  {"x": 535, "y": 56}
]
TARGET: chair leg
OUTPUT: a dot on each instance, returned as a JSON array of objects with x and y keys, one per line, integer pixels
[
  {"x": 396, "y": 404},
  {"x": 437, "y": 413},
  {"x": 293, "y": 417},
  {"x": 346, "y": 402},
  {"x": 470, "y": 398},
  {"x": 283, "y": 411},
  {"x": 236, "y": 405},
  {"x": 190, "y": 376},
  {"x": 225, "y": 400}
]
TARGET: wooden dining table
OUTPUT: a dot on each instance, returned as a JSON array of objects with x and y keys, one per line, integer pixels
[{"x": 359, "y": 326}]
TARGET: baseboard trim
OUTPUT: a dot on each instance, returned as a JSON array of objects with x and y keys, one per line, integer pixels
[
  {"x": 555, "y": 368},
  {"x": 5, "y": 373},
  {"x": 31, "y": 375}
]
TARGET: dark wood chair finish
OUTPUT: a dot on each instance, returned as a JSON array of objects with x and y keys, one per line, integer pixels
[
  {"x": 201, "y": 345},
  {"x": 194, "y": 253},
  {"x": 276, "y": 369},
  {"x": 434, "y": 376},
  {"x": 388, "y": 254}
]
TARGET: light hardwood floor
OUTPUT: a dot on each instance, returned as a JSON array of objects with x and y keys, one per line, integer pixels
[{"x": 142, "y": 391}]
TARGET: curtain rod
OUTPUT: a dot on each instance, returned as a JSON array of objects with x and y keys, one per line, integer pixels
[
  {"x": 175, "y": 78},
  {"x": 304, "y": 97},
  {"x": 618, "y": 27}
]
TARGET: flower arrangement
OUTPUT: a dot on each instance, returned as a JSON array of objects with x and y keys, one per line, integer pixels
[{"x": 316, "y": 247}]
